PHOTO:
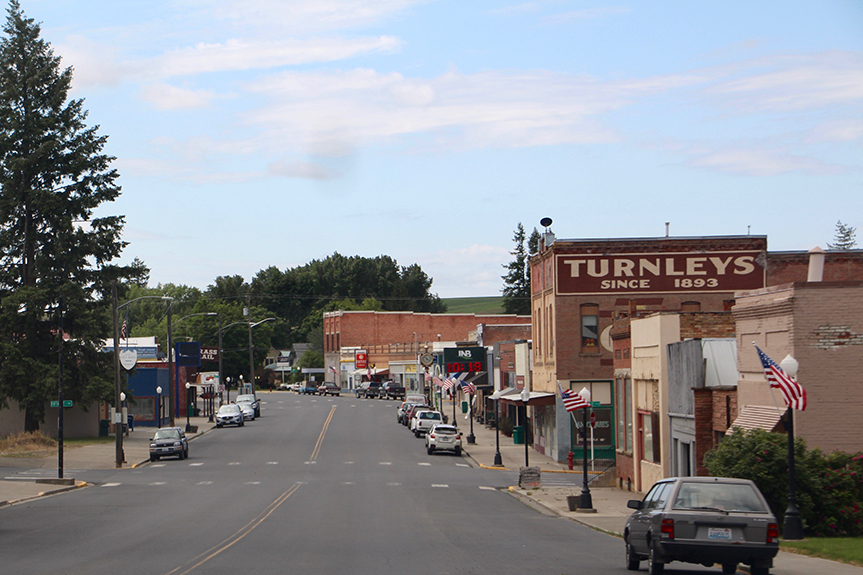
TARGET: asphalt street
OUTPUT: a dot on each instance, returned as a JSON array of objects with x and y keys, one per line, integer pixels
[{"x": 317, "y": 485}]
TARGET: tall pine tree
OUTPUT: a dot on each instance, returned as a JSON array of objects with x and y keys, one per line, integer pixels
[
  {"x": 846, "y": 238},
  {"x": 55, "y": 257},
  {"x": 516, "y": 282}
]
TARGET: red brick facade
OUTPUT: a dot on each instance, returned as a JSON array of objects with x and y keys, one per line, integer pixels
[{"x": 715, "y": 410}]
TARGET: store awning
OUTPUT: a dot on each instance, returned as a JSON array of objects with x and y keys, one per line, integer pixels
[
  {"x": 757, "y": 417},
  {"x": 536, "y": 398},
  {"x": 373, "y": 371},
  {"x": 278, "y": 367}
]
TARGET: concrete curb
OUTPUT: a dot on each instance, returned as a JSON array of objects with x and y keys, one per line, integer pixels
[{"x": 78, "y": 485}]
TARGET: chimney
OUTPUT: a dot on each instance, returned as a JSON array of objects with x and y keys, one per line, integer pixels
[{"x": 816, "y": 265}]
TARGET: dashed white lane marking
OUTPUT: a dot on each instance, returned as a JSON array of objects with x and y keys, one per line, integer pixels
[
  {"x": 462, "y": 465},
  {"x": 110, "y": 485},
  {"x": 158, "y": 483},
  {"x": 311, "y": 462},
  {"x": 252, "y": 483},
  {"x": 393, "y": 484},
  {"x": 351, "y": 406},
  {"x": 158, "y": 465},
  {"x": 486, "y": 488},
  {"x": 195, "y": 464},
  {"x": 348, "y": 483},
  {"x": 424, "y": 463},
  {"x": 349, "y": 462},
  {"x": 385, "y": 463},
  {"x": 440, "y": 485},
  {"x": 234, "y": 463},
  {"x": 204, "y": 483},
  {"x": 272, "y": 462}
]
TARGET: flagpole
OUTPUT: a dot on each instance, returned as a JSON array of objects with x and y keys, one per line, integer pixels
[{"x": 793, "y": 526}]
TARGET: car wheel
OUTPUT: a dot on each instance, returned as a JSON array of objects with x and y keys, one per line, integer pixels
[
  {"x": 243, "y": 423},
  {"x": 218, "y": 426},
  {"x": 430, "y": 449},
  {"x": 416, "y": 433},
  {"x": 632, "y": 560},
  {"x": 759, "y": 570},
  {"x": 729, "y": 568},
  {"x": 458, "y": 451},
  {"x": 152, "y": 458},
  {"x": 182, "y": 455},
  {"x": 654, "y": 567}
]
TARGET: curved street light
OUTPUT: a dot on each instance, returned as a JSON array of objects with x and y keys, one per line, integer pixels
[{"x": 251, "y": 348}]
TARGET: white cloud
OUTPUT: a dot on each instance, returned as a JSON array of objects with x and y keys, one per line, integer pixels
[
  {"x": 93, "y": 64},
  {"x": 166, "y": 97},
  {"x": 300, "y": 169},
  {"x": 588, "y": 14},
  {"x": 762, "y": 162},
  {"x": 844, "y": 130}
]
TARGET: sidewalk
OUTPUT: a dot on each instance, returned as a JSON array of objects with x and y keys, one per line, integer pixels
[
  {"x": 136, "y": 448},
  {"x": 609, "y": 502}
]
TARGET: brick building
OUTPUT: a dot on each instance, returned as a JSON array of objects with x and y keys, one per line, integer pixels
[{"x": 392, "y": 338}]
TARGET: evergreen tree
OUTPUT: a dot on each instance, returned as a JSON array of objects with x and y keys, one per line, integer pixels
[
  {"x": 516, "y": 289},
  {"x": 55, "y": 257},
  {"x": 846, "y": 238}
]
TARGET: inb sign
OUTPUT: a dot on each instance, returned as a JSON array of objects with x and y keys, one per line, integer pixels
[
  {"x": 458, "y": 359},
  {"x": 659, "y": 272}
]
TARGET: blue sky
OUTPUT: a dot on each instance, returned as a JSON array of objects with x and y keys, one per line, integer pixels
[{"x": 274, "y": 132}]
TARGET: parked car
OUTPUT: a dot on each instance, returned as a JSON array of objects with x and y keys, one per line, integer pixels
[
  {"x": 248, "y": 410},
  {"x": 298, "y": 387},
  {"x": 167, "y": 442},
  {"x": 442, "y": 437},
  {"x": 703, "y": 520},
  {"x": 368, "y": 389},
  {"x": 230, "y": 414},
  {"x": 249, "y": 398},
  {"x": 329, "y": 389},
  {"x": 284, "y": 386},
  {"x": 403, "y": 407},
  {"x": 409, "y": 413},
  {"x": 391, "y": 390},
  {"x": 424, "y": 420},
  {"x": 309, "y": 389}
]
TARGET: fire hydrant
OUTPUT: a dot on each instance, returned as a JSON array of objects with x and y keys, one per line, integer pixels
[{"x": 569, "y": 460}]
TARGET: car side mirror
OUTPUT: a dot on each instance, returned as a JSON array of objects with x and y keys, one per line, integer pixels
[{"x": 634, "y": 504}]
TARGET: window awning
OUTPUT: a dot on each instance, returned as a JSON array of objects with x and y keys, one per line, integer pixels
[
  {"x": 373, "y": 371},
  {"x": 757, "y": 417},
  {"x": 536, "y": 398}
]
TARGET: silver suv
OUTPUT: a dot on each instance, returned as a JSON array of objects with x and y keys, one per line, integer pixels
[{"x": 703, "y": 520}]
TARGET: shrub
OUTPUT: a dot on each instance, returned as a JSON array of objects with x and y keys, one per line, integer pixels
[
  {"x": 829, "y": 487},
  {"x": 505, "y": 426}
]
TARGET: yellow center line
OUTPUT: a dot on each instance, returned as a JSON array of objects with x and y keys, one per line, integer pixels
[{"x": 251, "y": 525}]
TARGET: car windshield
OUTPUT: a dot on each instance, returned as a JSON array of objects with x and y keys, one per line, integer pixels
[
  {"x": 723, "y": 496},
  {"x": 245, "y": 399},
  {"x": 229, "y": 409},
  {"x": 445, "y": 430},
  {"x": 429, "y": 415},
  {"x": 167, "y": 434}
]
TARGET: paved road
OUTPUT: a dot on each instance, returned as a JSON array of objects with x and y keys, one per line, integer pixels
[{"x": 317, "y": 485}]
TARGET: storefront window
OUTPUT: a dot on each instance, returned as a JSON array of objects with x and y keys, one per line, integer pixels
[
  {"x": 589, "y": 328},
  {"x": 650, "y": 437}
]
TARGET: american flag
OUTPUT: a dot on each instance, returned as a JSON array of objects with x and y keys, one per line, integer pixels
[
  {"x": 333, "y": 369},
  {"x": 571, "y": 400},
  {"x": 468, "y": 388},
  {"x": 449, "y": 383},
  {"x": 792, "y": 392},
  {"x": 428, "y": 377},
  {"x": 437, "y": 381},
  {"x": 125, "y": 326}
]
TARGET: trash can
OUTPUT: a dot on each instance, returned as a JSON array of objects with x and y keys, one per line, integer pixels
[
  {"x": 130, "y": 422},
  {"x": 464, "y": 407},
  {"x": 104, "y": 427},
  {"x": 518, "y": 435}
]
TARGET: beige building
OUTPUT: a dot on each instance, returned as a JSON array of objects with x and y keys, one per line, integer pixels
[{"x": 820, "y": 324}]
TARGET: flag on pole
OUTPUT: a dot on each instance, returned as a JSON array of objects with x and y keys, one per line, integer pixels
[
  {"x": 437, "y": 381},
  {"x": 428, "y": 377},
  {"x": 334, "y": 370},
  {"x": 792, "y": 392},
  {"x": 468, "y": 388},
  {"x": 571, "y": 400},
  {"x": 125, "y": 327}
]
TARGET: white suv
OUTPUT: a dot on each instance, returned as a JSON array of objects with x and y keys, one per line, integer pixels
[
  {"x": 442, "y": 437},
  {"x": 425, "y": 420}
]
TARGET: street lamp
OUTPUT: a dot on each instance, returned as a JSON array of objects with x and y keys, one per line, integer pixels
[
  {"x": 498, "y": 462},
  {"x": 118, "y": 451},
  {"x": 585, "y": 502},
  {"x": 251, "y": 347},
  {"x": 228, "y": 388},
  {"x": 158, "y": 407},
  {"x": 525, "y": 397},
  {"x": 188, "y": 386},
  {"x": 793, "y": 526}
]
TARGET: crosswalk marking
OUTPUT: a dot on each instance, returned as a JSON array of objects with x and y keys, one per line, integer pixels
[
  {"x": 195, "y": 464},
  {"x": 424, "y": 463},
  {"x": 440, "y": 485},
  {"x": 486, "y": 488}
]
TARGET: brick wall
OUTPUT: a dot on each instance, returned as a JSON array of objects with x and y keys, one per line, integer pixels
[
  {"x": 788, "y": 267},
  {"x": 715, "y": 409},
  {"x": 700, "y": 325}
]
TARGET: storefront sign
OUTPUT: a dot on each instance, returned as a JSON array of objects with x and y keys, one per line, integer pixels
[
  {"x": 659, "y": 272},
  {"x": 459, "y": 359},
  {"x": 209, "y": 353},
  {"x": 361, "y": 360}
]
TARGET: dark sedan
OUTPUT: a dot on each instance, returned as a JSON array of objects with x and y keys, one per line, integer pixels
[
  {"x": 169, "y": 442},
  {"x": 702, "y": 520}
]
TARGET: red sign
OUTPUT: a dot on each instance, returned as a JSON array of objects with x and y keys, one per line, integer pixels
[
  {"x": 659, "y": 272},
  {"x": 361, "y": 360},
  {"x": 593, "y": 419}
]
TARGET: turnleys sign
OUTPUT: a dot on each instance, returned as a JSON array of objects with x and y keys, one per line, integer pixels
[{"x": 128, "y": 358}]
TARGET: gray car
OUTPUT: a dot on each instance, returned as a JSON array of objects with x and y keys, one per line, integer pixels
[
  {"x": 704, "y": 520},
  {"x": 169, "y": 441},
  {"x": 230, "y": 414}
]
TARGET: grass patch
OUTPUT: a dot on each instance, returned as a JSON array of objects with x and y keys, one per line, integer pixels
[
  {"x": 845, "y": 549},
  {"x": 479, "y": 305},
  {"x": 25, "y": 444}
]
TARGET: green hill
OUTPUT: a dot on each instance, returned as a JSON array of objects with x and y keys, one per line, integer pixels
[{"x": 478, "y": 305}]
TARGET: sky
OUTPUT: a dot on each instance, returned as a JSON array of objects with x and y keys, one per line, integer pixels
[{"x": 274, "y": 132}]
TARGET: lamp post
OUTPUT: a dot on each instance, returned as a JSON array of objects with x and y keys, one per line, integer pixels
[
  {"x": 158, "y": 407},
  {"x": 228, "y": 388},
  {"x": 188, "y": 405},
  {"x": 498, "y": 462},
  {"x": 585, "y": 502},
  {"x": 793, "y": 526},
  {"x": 122, "y": 424},
  {"x": 240, "y": 385},
  {"x": 118, "y": 451},
  {"x": 525, "y": 397},
  {"x": 251, "y": 347}
]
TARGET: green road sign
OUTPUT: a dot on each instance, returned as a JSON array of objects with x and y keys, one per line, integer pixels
[
  {"x": 66, "y": 403},
  {"x": 595, "y": 404}
]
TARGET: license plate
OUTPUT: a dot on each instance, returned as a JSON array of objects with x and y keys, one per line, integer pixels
[{"x": 717, "y": 533}]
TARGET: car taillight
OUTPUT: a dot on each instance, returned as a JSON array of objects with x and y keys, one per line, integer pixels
[
  {"x": 668, "y": 528},
  {"x": 772, "y": 533}
]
